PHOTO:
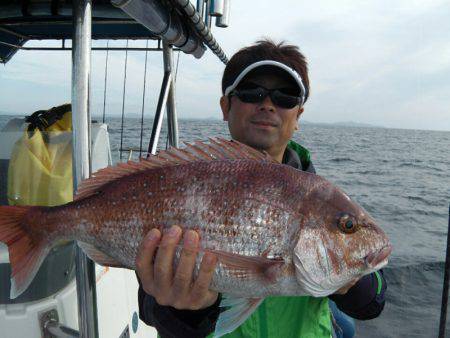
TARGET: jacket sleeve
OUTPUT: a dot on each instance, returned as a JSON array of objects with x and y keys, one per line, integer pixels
[
  {"x": 311, "y": 168},
  {"x": 366, "y": 299},
  {"x": 173, "y": 323}
]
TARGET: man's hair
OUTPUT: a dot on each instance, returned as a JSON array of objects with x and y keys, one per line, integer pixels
[{"x": 266, "y": 49}]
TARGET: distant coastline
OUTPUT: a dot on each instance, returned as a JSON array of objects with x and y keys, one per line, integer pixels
[
  {"x": 351, "y": 124},
  {"x": 345, "y": 124}
]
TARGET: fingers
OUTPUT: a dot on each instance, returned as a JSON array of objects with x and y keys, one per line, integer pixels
[
  {"x": 163, "y": 266},
  {"x": 183, "y": 276},
  {"x": 200, "y": 293},
  {"x": 144, "y": 258},
  {"x": 178, "y": 289}
]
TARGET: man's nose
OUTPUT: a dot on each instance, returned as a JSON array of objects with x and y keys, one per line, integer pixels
[{"x": 267, "y": 104}]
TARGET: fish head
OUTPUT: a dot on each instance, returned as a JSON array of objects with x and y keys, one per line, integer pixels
[{"x": 337, "y": 242}]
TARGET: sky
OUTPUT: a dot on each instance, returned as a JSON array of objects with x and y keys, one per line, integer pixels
[{"x": 385, "y": 63}]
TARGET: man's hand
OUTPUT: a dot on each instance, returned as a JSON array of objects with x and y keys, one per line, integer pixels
[{"x": 175, "y": 288}]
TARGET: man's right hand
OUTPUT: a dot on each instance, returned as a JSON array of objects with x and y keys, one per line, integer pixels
[{"x": 175, "y": 288}]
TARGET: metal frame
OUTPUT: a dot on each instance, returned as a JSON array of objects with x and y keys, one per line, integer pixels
[
  {"x": 166, "y": 99},
  {"x": 81, "y": 69},
  {"x": 51, "y": 326},
  {"x": 203, "y": 30},
  {"x": 157, "y": 123},
  {"x": 172, "y": 121},
  {"x": 150, "y": 49},
  {"x": 81, "y": 54}
]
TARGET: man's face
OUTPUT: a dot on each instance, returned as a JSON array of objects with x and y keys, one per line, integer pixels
[{"x": 261, "y": 125}]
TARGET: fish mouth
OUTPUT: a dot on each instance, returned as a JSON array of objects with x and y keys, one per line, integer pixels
[{"x": 373, "y": 260}]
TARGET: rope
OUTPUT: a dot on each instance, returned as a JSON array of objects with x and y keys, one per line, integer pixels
[{"x": 123, "y": 100}]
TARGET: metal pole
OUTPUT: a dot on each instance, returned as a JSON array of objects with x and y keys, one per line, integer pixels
[
  {"x": 207, "y": 15},
  {"x": 443, "y": 318},
  {"x": 106, "y": 82},
  {"x": 157, "y": 123},
  {"x": 143, "y": 104},
  {"x": 55, "y": 329},
  {"x": 172, "y": 123},
  {"x": 81, "y": 67},
  {"x": 201, "y": 8}
]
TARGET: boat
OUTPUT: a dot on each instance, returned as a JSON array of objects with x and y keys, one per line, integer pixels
[{"x": 72, "y": 296}]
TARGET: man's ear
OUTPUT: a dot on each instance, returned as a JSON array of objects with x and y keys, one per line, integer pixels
[
  {"x": 225, "y": 106},
  {"x": 300, "y": 112}
]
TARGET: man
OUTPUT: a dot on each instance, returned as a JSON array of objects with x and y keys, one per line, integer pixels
[{"x": 264, "y": 88}]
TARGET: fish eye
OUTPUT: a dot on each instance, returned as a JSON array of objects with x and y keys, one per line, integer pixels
[{"x": 347, "y": 224}]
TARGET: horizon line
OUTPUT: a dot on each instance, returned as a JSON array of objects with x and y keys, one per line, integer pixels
[{"x": 350, "y": 124}]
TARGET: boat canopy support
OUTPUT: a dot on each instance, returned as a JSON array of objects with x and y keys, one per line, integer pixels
[
  {"x": 166, "y": 99},
  {"x": 65, "y": 48},
  {"x": 176, "y": 21},
  {"x": 172, "y": 120},
  {"x": 81, "y": 73}
]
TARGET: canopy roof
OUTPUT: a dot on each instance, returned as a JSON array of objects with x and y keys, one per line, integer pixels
[{"x": 24, "y": 20}]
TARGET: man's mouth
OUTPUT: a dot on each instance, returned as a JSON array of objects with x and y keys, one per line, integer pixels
[{"x": 264, "y": 123}]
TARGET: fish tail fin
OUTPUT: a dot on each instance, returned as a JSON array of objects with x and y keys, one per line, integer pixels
[{"x": 25, "y": 254}]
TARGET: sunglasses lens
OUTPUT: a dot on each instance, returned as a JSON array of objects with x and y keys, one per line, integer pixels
[
  {"x": 258, "y": 94},
  {"x": 253, "y": 95},
  {"x": 284, "y": 100}
]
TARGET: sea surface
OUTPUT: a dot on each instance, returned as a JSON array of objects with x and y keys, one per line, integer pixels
[{"x": 401, "y": 177}]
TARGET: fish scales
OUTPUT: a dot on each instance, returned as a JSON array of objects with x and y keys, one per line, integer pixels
[{"x": 233, "y": 206}]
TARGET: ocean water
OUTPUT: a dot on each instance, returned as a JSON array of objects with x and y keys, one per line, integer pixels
[{"x": 401, "y": 177}]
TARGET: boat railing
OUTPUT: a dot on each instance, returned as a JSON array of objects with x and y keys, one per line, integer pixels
[{"x": 52, "y": 328}]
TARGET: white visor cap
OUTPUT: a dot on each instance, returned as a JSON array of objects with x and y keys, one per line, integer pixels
[{"x": 289, "y": 70}]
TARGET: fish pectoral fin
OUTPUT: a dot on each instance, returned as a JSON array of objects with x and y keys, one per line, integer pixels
[
  {"x": 239, "y": 309},
  {"x": 99, "y": 257},
  {"x": 266, "y": 267}
]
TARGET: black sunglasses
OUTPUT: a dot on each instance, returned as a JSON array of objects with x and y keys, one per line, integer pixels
[{"x": 255, "y": 94}]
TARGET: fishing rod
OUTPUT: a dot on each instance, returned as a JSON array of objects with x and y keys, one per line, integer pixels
[{"x": 443, "y": 319}]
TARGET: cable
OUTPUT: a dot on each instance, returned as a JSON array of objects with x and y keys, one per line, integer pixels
[{"x": 123, "y": 100}]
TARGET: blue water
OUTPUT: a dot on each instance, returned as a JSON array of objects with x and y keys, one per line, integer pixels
[{"x": 402, "y": 177}]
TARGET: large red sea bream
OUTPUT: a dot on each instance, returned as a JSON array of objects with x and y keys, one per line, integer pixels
[{"x": 275, "y": 230}]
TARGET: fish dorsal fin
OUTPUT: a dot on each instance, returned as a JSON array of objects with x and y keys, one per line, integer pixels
[
  {"x": 99, "y": 257},
  {"x": 217, "y": 149},
  {"x": 239, "y": 309}
]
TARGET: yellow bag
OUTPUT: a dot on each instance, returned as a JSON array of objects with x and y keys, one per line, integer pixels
[{"x": 40, "y": 168}]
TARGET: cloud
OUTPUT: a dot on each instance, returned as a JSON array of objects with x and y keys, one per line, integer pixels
[
  {"x": 374, "y": 61},
  {"x": 372, "y": 65}
]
